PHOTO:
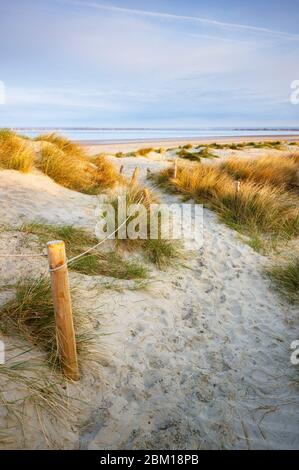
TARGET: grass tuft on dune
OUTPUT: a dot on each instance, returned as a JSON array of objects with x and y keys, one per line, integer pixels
[
  {"x": 62, "y": 160},
  {"x": 67, "y": 164},
  {"x": 95, "y": 263},
  {"x": 285, "y": 278},
  {"x": 30, "y": 316},
  {"x": 254, "y": 209},
  {"x": 282, "y": 171},
  {"x": 15, "y": 153},
  {"x": 161, "y": 252}
]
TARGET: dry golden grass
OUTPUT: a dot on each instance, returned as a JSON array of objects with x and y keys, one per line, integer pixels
[
  {"x": 69, "y": 171},
  {"x": 15, "y": 153},
  {"x": 144, "y": 151},
  {"x": 161, "y": 252},
  {"x": 106, "y": 174},
  {"x": 282, "y": 171},
  {"x": 254, "y": 208},
  {"x": 62, "y": 160},
  {"x": 75, "y": 170},
  {"x": 64, "y": 144}
]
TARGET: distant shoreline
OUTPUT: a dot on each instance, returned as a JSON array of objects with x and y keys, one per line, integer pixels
[{"x": 134, "y": 144}]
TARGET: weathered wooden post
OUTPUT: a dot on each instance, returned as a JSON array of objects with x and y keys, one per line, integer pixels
[
  {"x": 65, "y": 333},
  {"x": 121, "y": 169},
  {"x": 134, "y": 176},
  {"x": 238, "y": 186}
]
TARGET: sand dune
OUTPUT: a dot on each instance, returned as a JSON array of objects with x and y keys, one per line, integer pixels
[{"x": 198, "y": 359}]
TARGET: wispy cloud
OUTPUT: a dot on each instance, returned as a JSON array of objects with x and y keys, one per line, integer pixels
[{"x": 198, "y": 19}]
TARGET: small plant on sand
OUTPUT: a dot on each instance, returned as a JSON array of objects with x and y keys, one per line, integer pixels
[
  {"x": 15, "y": 153},
  {"x": 109, "y": 264},
  {"x": 144, "y": 151},
  {"x": 196, "y": 156},
  {"x": 120, "y": 155},
  {"x": 161, "y": 252},
  {"x": 285, "y": 277}
]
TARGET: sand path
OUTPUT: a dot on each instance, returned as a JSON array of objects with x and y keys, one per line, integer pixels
[{"x": 203, "y": 358}]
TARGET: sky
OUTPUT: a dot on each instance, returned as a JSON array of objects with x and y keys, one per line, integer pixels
[{"x": 157, "y": 63}]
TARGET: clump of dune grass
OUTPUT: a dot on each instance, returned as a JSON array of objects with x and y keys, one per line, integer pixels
[
  {"x": 109, "y": 264},
  {"x": 62, "y": 160},
  {"x": 74, "y": 170},
  {"x": 27, "y": 387},
  {"x": 143, "y": 152},
  {"x": 161, "y": 252},
  {"x": 64, "y": 144},
  {"x": 120, "y": 155},
  {"x": 65, "y": 169},
  {"x": 196, "y": 156},
  {"x": 277, "y": 144},
  {"x": 282, "y": 171},
  {"x": 106, "y": 174},
  {"x": 95, "y": 263},
  {"x": 252, "y": 208},
  {"x": 285, "y": 278},
  {"x": 15, "y": 153},
  {"x": 30, "y": 316}
]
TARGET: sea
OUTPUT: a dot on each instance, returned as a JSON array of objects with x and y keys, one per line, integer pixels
[{"x": 118, "y": 135}]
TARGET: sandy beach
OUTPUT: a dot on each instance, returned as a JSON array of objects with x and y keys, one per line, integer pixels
[
  {"x": 128, "y": 146},
  {"x": 196, "y": 357}
]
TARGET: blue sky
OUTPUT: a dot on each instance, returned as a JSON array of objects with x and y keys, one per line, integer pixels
[{"x": 165, "y": 63}]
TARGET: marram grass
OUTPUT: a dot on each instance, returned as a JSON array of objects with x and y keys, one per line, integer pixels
[
  {"x": 254, "y": 209},
  {"x": 15, "y": 153},
  {"x": 57, "y": 157},
  {"x": 285, "y": 277}
]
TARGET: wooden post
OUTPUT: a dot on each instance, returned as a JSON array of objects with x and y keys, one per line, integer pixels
[
  {"x": 238, "y": 185},
  {"x": 65, "y": 333},
  {"x": 175, "y": 168},
  {"x": 135, "y": 175},
  {"x": 121, "y": 169}
]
